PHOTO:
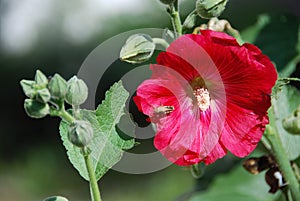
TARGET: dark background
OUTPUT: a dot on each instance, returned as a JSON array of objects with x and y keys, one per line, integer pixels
[{"x": 33, "y": 162}]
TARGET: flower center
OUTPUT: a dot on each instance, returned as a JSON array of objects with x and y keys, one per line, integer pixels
[{"x": 203, "y": 98}]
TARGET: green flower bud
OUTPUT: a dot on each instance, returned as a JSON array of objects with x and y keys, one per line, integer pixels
[
  {"x": 57, "y": 87},
  {"x": 210, "y": 8},
  {"x": 292, "y": 123},
  {"x": 189, "y": 22},
  {"x": 56, "y": 198},
  {"x": 42, "y": 95},
  {"x": 80, "y": 133},
  {"x": 28, "y": 88},
  {"x": 77, "y": 91},
  {"x": 168, "y": 2},
  {"x": 40, "y": 78},
  {"x": 36, "y": 109},
  {"x": 137, "y": 49}
]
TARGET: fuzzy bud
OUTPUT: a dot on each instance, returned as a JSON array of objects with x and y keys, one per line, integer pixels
[
  {"x": 189, "y": 22},
  {"x": 77, "y": 91},
  {"x": 137, "y": 49},
  {"x": 210, "y": 8},
  {"x": 80, "y": 133},
  {"x": 57, "y": 87},
  {"x": 292, "y": 123},
  {"x": 36, "y": 109}
]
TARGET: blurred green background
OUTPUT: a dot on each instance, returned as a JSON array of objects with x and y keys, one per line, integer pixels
[{"x": 56, "y": 36}]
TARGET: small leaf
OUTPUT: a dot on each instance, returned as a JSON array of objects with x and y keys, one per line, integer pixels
[
  {"x": 106, "y": 146},
  {"x": 236, "y": 186},
  {"x": 283, "y": 104}
]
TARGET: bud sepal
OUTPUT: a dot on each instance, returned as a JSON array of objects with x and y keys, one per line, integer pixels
[
  {"x": 57, "y": 87},
  {"x": 36, "y": 109}
]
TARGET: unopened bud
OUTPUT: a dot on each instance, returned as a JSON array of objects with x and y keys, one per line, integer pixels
[
  {"x": 28, "y": 88},
  {"x": 42, "y": 95},
  {"x": 36, "y": 109},
  {"x": 189, "y": 22},
  {"x": 56, "y": 198},
  {"x": 137, "y": 49},
  {"x": 292, "y": 123},
  {"x": 40, "y": 78},
  {"x": 77, "y": 91},
  {"x": 168, "y": 2},
  {"x": 210, "y": 8},
  {"x": 80, "y": 133},
  {"x": 57, "y": 87}
]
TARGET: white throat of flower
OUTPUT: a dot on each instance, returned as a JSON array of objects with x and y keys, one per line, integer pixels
[{"x": 203, "y": 98}]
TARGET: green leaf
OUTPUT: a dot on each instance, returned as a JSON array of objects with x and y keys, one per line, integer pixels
[
  {"x": 107, "y": 146},
  {"x": 284, "y": 102},
  {"x": 236, "y": 186},
  {"x": 109, "y": 113}
]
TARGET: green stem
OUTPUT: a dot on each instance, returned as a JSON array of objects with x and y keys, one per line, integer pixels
[
  {"x": 176, "y": 21},
  {"x": 160, "y": 41},
  {"x": 66, "y": 116},
  {"x": 283, "y": 161},
  {"x": 92, "y": 177},
  {"x": 287, "y": 79},
  {"x": 286, "y": 195}
]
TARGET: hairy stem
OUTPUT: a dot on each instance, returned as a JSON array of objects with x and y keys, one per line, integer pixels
[
  {"x": 176, "y": 21},
  {"x": 282, "y": 158},
  {"x": 95, "y": 192}
]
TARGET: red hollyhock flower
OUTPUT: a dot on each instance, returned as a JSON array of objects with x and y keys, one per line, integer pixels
[{"x": 207, "y": 95}]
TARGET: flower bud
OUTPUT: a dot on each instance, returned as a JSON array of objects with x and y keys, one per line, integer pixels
[
  {"x": 189, "y": 22},
  {"x": 28, "y": 88},
  {"x": 57, "y": 87},
  {"x": 292, "y": 123},
  {"x": 137, "y": 49},
  {"x": 40, "y": 78},
  {"x": 56, "y": 198},
  {"x": 168, "y": 2},
  {"x": 210, "y": 8},
  {"x": 36, "y": 109},
  {"x": 77, "y": 91},
  {"x": 42, "y": 95},
  {"x": 80, "y": 133}
]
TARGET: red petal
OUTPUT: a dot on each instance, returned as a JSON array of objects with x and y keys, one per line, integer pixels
[{"x": 243, "y": 130}]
